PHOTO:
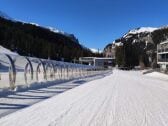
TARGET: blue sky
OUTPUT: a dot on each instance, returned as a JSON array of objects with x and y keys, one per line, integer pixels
[{"x": 94, "y": 22}]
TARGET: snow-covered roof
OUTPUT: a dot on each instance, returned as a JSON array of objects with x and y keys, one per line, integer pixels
[{"x": 165, "y": 42}]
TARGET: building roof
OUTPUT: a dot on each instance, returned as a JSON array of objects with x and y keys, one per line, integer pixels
[{"x": 89, "y": 58}]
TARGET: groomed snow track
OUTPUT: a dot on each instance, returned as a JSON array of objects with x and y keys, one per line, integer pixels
[{"x": 124, "y": 98}]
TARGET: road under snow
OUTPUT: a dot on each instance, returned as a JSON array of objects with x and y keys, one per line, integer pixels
[{"x": 124, "y": 98}]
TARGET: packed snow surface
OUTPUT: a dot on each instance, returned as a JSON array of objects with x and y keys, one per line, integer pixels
[
  {"x": 124, "y": 98},
  {"x": 24, "y": 96},
  {"x": 158, "y": 75}
]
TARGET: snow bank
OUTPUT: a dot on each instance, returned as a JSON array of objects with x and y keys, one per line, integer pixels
[{"x": 157, "y": 75}]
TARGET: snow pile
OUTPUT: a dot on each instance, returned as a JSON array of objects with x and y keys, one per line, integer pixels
[
  {"x": 158, "y": 75},
  {"x": 125, "y": 98},
  {"x": 6, "y": 51}
]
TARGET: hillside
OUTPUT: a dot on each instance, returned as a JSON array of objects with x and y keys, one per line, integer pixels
[
  {"x": 7, "y": 51},
  {"x": 34, "y": 40},
  {"x": 138, "y": 46}
]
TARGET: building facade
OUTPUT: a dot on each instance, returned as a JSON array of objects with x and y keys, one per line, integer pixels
[
  {"x": 97, "y": 61},
  {"x": 162, "y": 55}
]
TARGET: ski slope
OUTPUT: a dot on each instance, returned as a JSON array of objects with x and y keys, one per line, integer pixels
[{"x": 124, "y": 98}]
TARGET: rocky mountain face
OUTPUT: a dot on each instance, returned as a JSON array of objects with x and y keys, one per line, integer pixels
[{"x": 138, "y": 46}]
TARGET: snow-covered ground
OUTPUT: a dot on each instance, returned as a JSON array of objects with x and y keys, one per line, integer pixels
[
  {"x": 124, "y": 98},
  {"x": 25, "y": 97},
  {"x": 158, "y": 75}
]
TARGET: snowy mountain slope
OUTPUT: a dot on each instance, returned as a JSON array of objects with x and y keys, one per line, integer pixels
[
  {"x": 139, "y": 31},
  {"x": 49, "y": 28},
  {"x": 52, "y": 29},
  {"x": 57, "y": 31},
  {"x": 137, "y": 34},
  {"x": 142, "y": 29},
  {"x": 141, "y": 42},
  {"x": 6, "y": 51},
  {"x": 4, "y": 15},
  {"x": 95, "y": 50},
  {"x": 125, "y": 98},
  {"x": 51, "y": 39},
  {"x": 142, "y": 34}
]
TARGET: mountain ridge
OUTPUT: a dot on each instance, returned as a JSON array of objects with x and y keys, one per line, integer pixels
[
  {"x": 4, "y": 15},
  {"x": 52, "y": 29},
  {"x": 30, "y": 39},
  {"x": 139, "y": 46}
]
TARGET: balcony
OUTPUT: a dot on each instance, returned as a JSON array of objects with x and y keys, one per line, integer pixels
[
  {"x": 162, "y": 48},
  {"x": 163, "y": 60}
]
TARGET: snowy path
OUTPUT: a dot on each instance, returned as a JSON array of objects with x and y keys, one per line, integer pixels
[
  {"x": 121, "y": 99},
  {"x": 19, "y": 100}
]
